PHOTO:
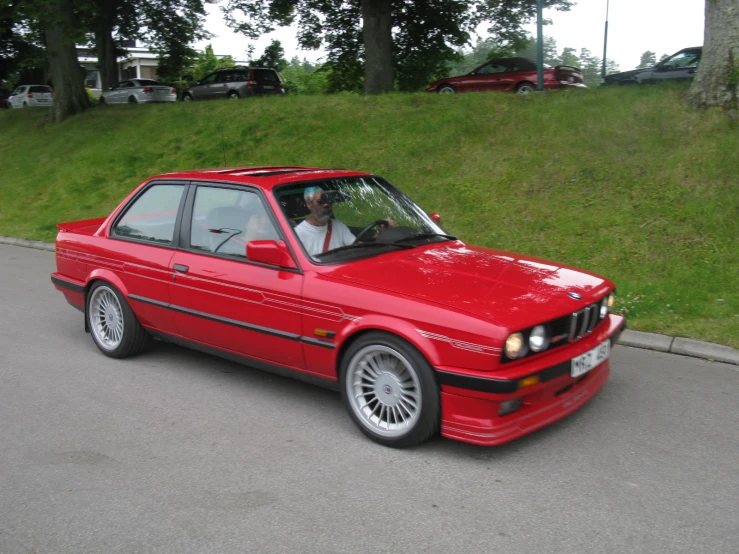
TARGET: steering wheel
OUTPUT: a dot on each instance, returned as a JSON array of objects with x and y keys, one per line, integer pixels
[{"x": 378, "y": 223}]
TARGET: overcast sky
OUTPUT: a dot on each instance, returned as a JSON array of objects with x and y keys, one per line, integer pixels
[{"x": 634, "y": 26}]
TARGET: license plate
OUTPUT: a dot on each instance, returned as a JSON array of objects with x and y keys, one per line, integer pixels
[
  {"x": 592, "y": 358},
  {"x": 268, "y": 87}
]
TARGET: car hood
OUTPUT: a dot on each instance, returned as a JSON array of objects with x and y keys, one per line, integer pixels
[
  {"x": 625, "y": 75},
  {"x": 506, "y": 288}
]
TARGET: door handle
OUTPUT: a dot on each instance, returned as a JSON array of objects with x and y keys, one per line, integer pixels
[{"x": 181, "y": 268}]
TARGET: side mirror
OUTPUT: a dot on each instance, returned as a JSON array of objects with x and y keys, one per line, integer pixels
[
  {"x": 436, "y": 217},
  {"x": 270, "y": 252}
]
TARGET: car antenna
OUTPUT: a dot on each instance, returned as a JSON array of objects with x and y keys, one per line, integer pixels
[{"x": 223, "y": 146}]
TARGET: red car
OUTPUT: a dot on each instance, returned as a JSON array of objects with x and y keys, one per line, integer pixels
[
  {"x": 509, "y": 75},
  {"x": 338, "y": 278}
]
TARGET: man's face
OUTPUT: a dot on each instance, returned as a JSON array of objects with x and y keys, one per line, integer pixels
[{"x": 321, "y": 210}]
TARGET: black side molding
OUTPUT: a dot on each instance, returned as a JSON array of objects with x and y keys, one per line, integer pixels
[{"x": 69, "y": 285}]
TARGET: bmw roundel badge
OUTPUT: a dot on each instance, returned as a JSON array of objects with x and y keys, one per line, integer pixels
[{"x": 574, "y": 295}]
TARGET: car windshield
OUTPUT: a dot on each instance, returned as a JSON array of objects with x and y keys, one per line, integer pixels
[{"x": 379, "y": 217}]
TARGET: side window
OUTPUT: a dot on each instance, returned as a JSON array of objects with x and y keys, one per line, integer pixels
[
  {"x": 224, "y": 220},
  {"x": 490, "y": 69},
  {"x": 152, "y": 215},
  {"x": 209, "y": 79}
]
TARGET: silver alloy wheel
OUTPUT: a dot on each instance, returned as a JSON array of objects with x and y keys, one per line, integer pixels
[
  {"x": 525, "y": 89},
  {"x": 106, "y": 318},
  {"x": 446, "y": 90},
  {"x": 187, "y": 98},
  {"x": 384, "y": 391}
]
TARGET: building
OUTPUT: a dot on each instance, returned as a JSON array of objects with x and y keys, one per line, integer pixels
[{"x": 139, "y": 62}]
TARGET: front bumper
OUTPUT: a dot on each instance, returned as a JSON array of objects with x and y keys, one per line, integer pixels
[{"x": 470, "y": 404}]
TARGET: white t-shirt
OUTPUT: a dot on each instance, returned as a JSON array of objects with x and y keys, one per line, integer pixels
[{"x": 313, "y": 237}]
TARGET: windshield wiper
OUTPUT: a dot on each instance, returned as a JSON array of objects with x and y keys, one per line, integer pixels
[
  {"x": 425, "y": 236},
  {"x": 363, "y": 245}
]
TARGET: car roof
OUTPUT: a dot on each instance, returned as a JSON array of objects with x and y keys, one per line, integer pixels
[{"x": 265, "y": 177}]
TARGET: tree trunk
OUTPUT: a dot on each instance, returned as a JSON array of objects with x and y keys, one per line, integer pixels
[
  {"x": 379, "y": 75},
  {"x": 67, "y": 76},
  {"x": 106, "y": 52},
  {"x": 715, "y": 83}
]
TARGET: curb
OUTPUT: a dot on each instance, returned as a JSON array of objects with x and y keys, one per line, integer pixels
[{"x": 635, "y": 339}]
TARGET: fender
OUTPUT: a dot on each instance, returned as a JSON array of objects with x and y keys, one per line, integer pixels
[
  {"x": 398, "y": 327},
  {"x": 110, "y": 277}
]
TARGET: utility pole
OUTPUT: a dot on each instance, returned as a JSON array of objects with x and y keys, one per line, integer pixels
[
  {"x": 605, "y": 43},
  {"x": 539, "y": 46}
]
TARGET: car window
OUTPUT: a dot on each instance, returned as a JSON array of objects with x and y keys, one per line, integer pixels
[
  {"x": 148, "y": 83},
  {"x": 491, "y": 68},
  {"x": 224, "y": 220},
  {"x": 19, "y": 90},
  {"x": 683, "y": 59},
  {"x": 208, "y": 79},
  {"x": 239, "y": 76},
  {"x": 40, "y": 88},
  {"x": 126, "y": 84},
  {"x": 152, "y": 216},
  {"x": 266, "y": 76}
]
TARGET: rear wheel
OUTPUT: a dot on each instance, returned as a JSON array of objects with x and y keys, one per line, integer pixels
[
  {"x": 525, "y": 88},
  {"x": 132, "y": 100},
  {"x": 102, "y": 100},
  {"x": 390, "y": 390},
  {"x": 113, "y": 325},
  {"x": 233, "y": 95},
  {"x": 186, "y": 98},
  {"x": 446, "y": 89}
]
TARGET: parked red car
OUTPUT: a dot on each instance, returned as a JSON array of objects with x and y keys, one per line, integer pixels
[
  {"x": 509, "y": 75},
  {"x": 418, "y": 330}
]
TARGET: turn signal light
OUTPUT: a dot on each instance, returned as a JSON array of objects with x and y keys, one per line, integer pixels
[{"x": 529, "y": 381}]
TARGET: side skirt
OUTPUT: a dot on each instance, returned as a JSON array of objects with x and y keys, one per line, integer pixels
[{"x": 247, "y": 361}]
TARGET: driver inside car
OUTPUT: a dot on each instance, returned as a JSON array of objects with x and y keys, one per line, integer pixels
[{"x": 320, "y": 232}]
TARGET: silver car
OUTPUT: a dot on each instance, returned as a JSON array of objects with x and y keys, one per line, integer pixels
[
  {"x": 235, "y": 82},
  {"x": 138, "y": 91},
  {"x": 26, "y": 96}
]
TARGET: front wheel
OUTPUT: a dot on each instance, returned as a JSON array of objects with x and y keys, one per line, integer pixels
[
  {"x": 390, "y": 390},
  {"x": 233, "y": 95},
  {"x": 446, "y": 89},
  {"x": 186, "y": 98},
  {"x": 113, "y": 325}
]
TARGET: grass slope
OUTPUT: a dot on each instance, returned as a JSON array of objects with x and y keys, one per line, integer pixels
[{"x": 626, "y": 182}]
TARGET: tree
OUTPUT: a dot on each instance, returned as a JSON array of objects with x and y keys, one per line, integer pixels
[
  {"x": 648, "y": 59},
  {"x": 374, "y": 44},
  {"x": 207, "y": 62},
  {"x": 569, "y": 57},
  {"x": 715, "y": 84},
  {"x": 274, "y": 57}
]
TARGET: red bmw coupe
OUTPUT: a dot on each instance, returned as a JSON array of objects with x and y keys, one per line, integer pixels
[
  {"x": 509, "y": 75},
  {"x": 338, "y": 278}
]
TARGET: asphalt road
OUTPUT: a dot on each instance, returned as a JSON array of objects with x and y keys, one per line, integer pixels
[{"x": 179, "y": 452}]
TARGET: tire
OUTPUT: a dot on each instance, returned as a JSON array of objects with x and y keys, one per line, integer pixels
[
  {"x": 25, "y": 105},
  {"x": 132, "y": 100},
  {"x": 113, "y": 325},
  {"x": 525, "y": 88},
  {"x": 446, "y": 89},
  {"x": 102, "y": 100},
  {"x": 233, "y": 95},
  {"x": 381, "y": 378},
  {"x": 186, "y": 98}
]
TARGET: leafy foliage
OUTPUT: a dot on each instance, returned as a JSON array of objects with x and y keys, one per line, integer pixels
[
  {"x": 207, "y": 62},
  {"x": 648, "y": 59},
  {"x": 274, "y": 57}
]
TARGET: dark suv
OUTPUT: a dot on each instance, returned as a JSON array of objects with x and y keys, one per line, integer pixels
[{"x": 235, "y": 82}]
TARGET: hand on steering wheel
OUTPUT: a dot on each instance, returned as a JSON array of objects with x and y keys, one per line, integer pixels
[{"x": 378, "y": 223}]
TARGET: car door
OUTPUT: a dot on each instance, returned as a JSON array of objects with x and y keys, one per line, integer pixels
[
  {"x": 486, "y": 78},
  {"x": 143, "y": 239},
  {"x": 222, "y": 299},
  {"x": 119, "y": 93},
  {"x": 16, "y": 101}
]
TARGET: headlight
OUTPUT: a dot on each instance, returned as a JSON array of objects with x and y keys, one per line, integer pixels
[
  {"x": 538, "y": 340},
  {"x": 514, "y": 346},
  {"x": 606, "y": 305}
]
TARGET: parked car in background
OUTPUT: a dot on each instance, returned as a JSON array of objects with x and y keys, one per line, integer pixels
[
  {"x": 681, "y": 66},
  {"x": 509, "y": 75},
  {"x": 4, "y": 95},
  {"x": 28, "y": 96},
  {"x": 138, "y": 91},
  {"x": 420, "y": 331},
  {"x": 235, "y": 82}
]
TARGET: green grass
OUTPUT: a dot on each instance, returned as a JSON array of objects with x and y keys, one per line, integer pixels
[{"x": 626, "y": 182}]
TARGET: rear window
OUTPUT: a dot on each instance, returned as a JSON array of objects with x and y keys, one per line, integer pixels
[
  {"x": 40, "y": 89},
  {"x": 266, "y": 76},
  {"x": 149, "y": 83}
]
